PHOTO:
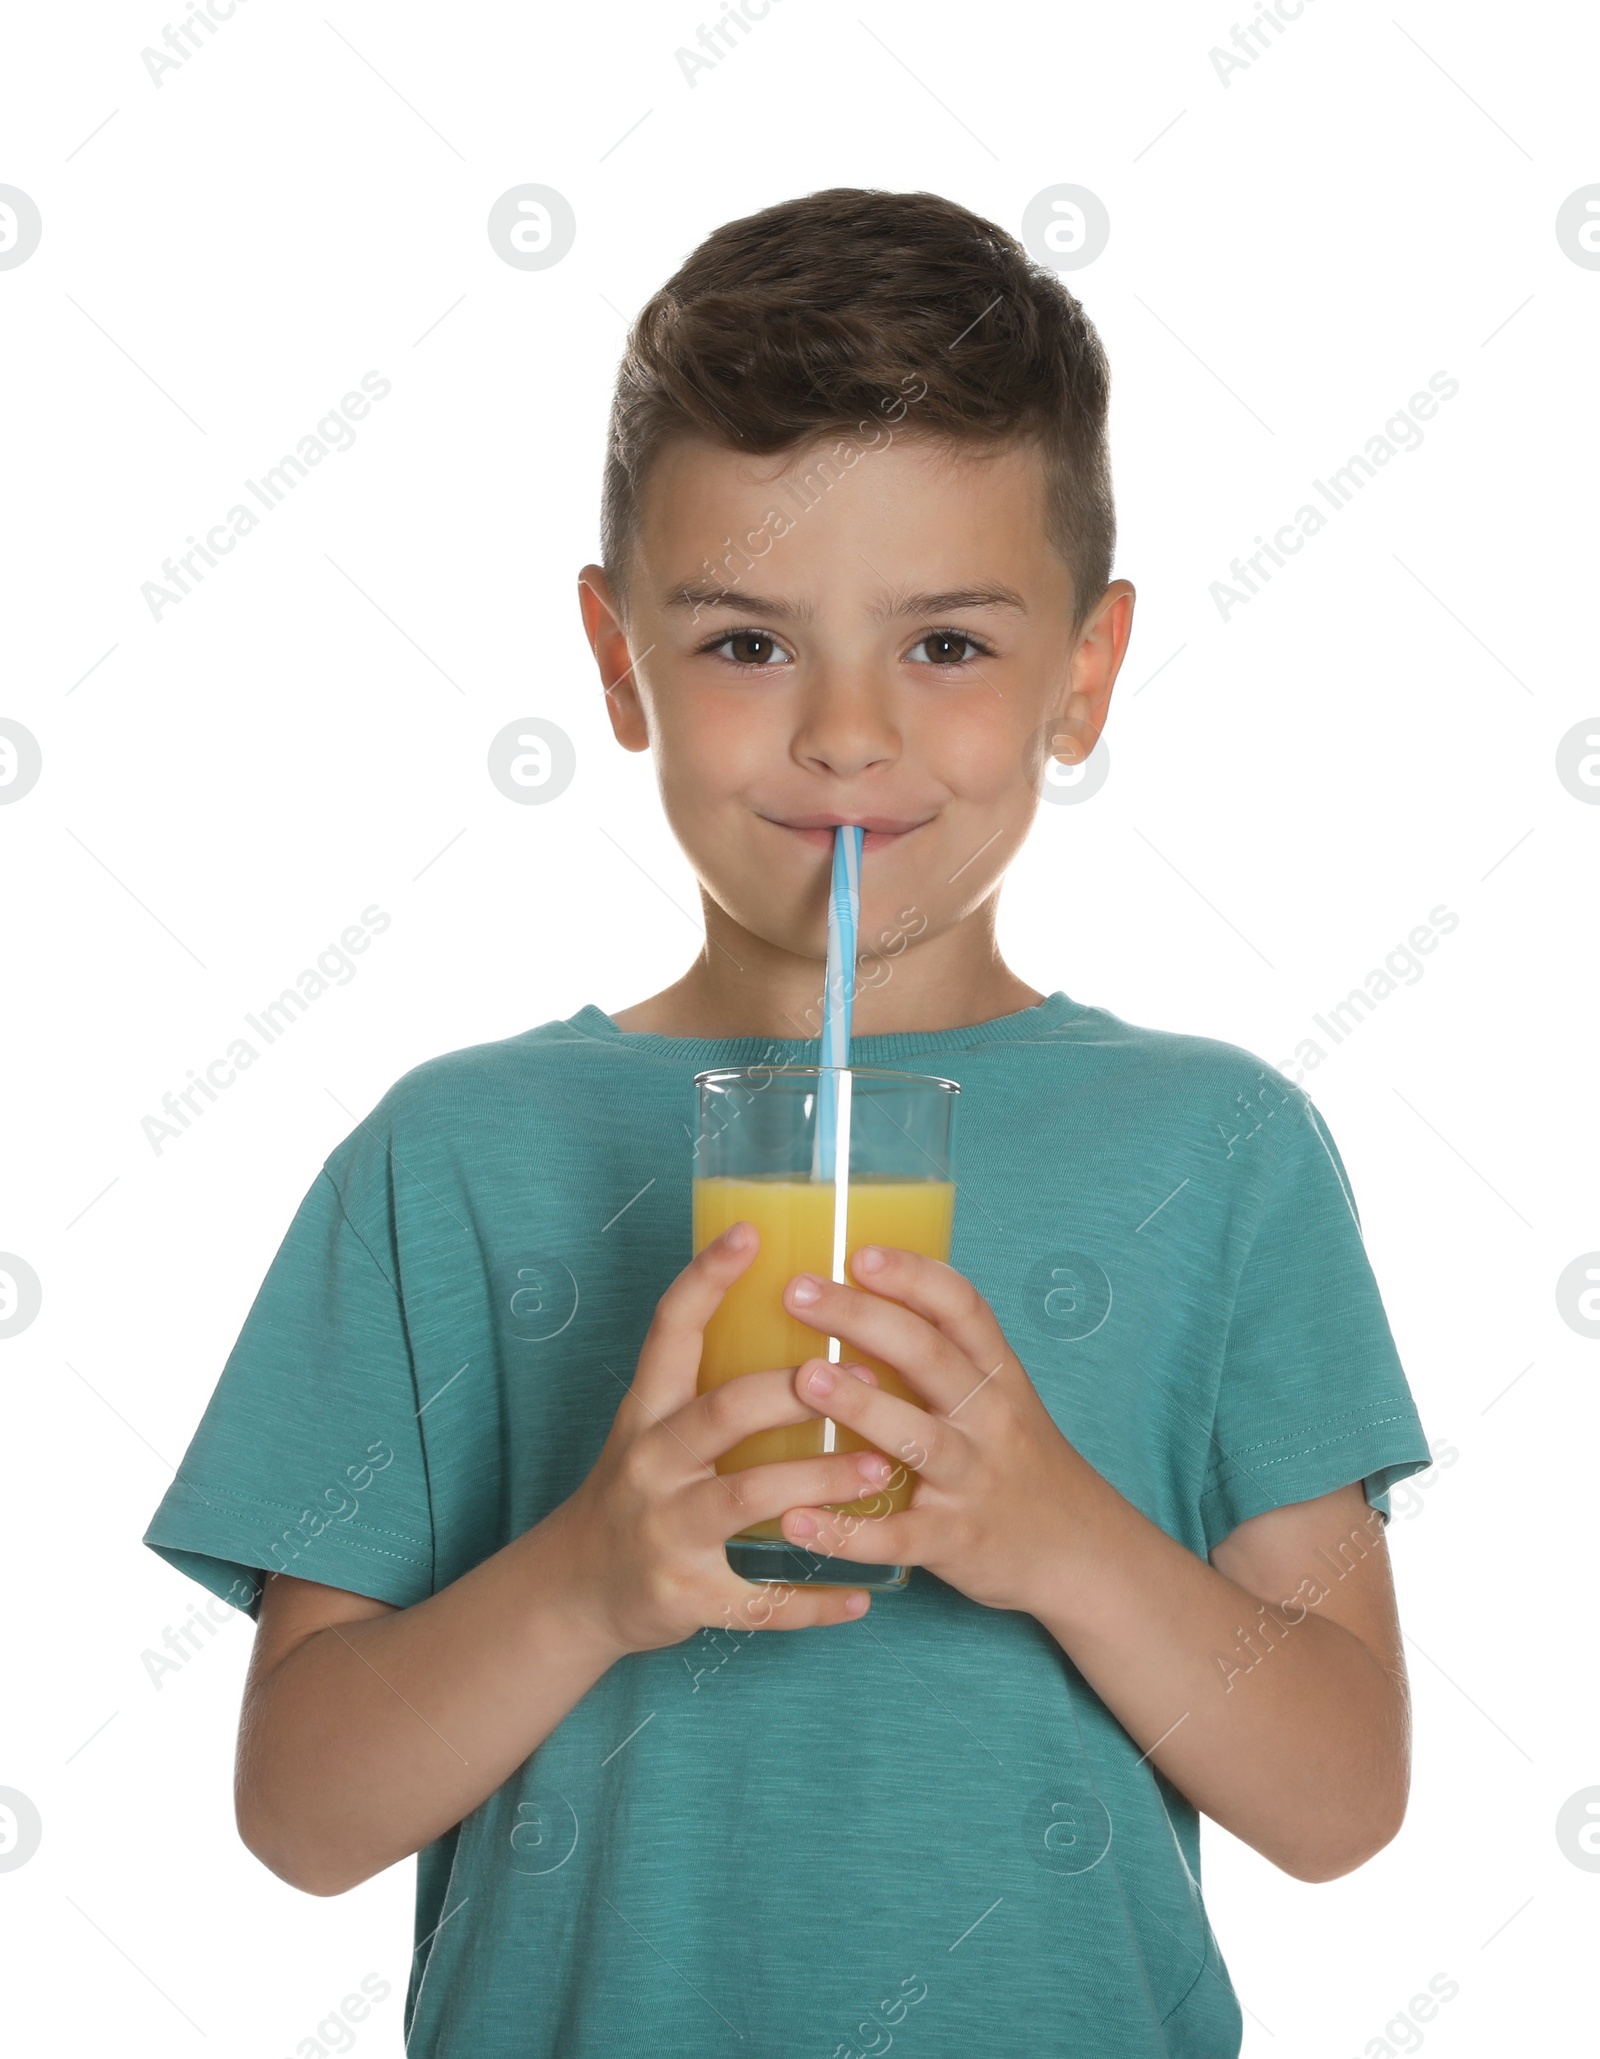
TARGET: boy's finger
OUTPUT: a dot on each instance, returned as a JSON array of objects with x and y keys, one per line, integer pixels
[
  {"x": 714, "y": 1422},
  {"x": 792, "y": 1605},
  {"x": 928, "y": 1361},
  {"x": 892, "y": 1540},
  {"x": 730, "y": 1502},
  {"x": 937, "y": 1293},
  {"x": 909, "y": 1436},
  {"x": 669, "y": 1358}
]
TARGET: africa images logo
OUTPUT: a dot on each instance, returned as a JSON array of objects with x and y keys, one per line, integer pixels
[{"x": 1402, "y": 432}]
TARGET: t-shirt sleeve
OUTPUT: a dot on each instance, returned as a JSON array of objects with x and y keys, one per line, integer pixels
[
  {"x": 309, "y": 1458},
  {"x": 1312, "y": 1394}
]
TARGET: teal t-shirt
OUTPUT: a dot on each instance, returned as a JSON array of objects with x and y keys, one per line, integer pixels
[{"x": 924, "y": 1825}]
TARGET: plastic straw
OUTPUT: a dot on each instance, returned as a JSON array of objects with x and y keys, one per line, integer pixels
[
  {"x": 844, "y": 917},
  {"x": 831, "y": 1149}
]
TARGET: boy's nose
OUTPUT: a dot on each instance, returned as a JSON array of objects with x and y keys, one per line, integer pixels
[{"x": 845, "y": 728}]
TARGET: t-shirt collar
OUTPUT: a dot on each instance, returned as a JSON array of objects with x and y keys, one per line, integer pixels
[{"x": 1045, "y": 1016}]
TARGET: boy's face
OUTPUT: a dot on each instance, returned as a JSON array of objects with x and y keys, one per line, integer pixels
[{"x": 887, "y": 642}]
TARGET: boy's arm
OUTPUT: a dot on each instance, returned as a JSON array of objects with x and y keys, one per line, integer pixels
[
  {"x": 367, "y": 1730},
  {"x": 1270, "y": 1684}
]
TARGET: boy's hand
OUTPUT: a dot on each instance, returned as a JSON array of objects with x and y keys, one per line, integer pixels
[
  {"x": 999, "y": 1489},
  {"x": 643, "y": 1536}
]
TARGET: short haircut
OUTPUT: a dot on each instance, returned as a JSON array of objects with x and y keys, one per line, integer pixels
[{"x": 802, "y": 321}]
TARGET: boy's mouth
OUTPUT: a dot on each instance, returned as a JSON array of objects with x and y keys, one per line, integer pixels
[{"x": 818, "y": 830}]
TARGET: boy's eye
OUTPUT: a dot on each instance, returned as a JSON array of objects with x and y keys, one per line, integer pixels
[
  {"x": 949, "y": 647},
  {"x": 749, "y": 647}
]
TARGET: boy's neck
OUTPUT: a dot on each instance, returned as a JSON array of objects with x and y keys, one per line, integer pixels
[{"x": 742, "y": 986}]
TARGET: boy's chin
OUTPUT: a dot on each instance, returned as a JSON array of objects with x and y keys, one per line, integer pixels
[{"x": 803, "y": 933}]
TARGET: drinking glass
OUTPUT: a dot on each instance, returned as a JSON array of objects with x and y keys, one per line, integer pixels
[{"x": 757, "y": 1160}]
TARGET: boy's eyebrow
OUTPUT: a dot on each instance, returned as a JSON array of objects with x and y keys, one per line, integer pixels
[
  {"x": 695, "y": 596},
  {"x": 698, "y": 597},
  {"x": 956, "y": 597}
]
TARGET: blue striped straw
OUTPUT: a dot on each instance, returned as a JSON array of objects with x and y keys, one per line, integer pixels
[{"x": 844, "y": 917}]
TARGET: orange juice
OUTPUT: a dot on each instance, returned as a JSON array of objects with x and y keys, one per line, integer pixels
[{"x": 752, "y": 1330}]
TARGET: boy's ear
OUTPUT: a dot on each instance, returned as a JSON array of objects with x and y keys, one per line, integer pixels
[
  {"x": 1096, "y": 661},
  {"x": 602, "y": 622}
]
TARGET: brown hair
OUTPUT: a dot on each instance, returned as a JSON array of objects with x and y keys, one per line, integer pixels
[{"x": 807, "y": 318}]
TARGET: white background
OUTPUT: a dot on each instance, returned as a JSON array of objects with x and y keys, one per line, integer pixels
[{"x": 1292, "y": 790}]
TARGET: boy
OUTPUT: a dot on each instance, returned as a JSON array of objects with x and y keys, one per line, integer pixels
[{"x": 857, "y": 540}]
